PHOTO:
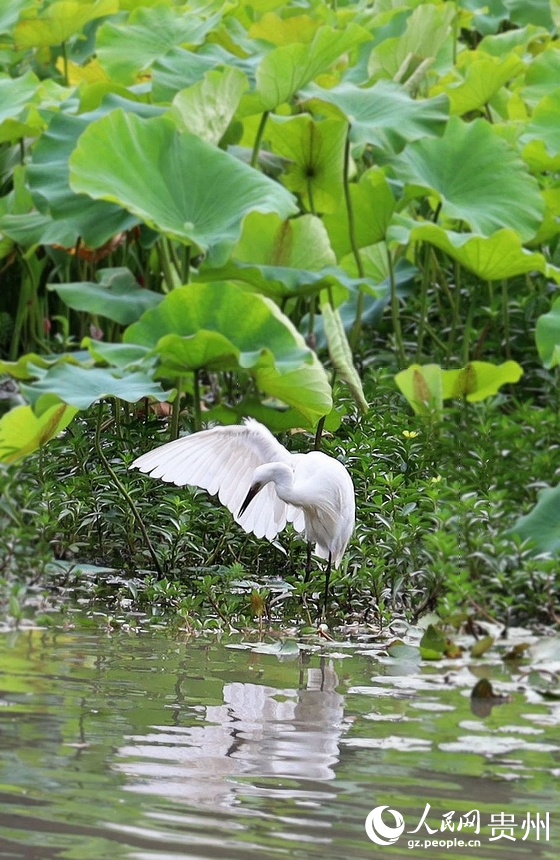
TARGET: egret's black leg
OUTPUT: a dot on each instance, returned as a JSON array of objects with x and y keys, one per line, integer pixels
[
  {"x": 308, "y": 564},
  {"x": 327, "y": 578}
]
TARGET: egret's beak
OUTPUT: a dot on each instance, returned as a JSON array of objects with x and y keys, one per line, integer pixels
[{"x": 249, "y": 498}]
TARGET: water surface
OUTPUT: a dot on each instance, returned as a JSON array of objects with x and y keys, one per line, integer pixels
[{"x": 126, "y": 745}]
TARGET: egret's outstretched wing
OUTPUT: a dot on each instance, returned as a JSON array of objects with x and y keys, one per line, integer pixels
[{"x": 222, "y": 460}]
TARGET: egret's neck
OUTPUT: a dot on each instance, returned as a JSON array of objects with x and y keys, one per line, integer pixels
[{"x": 281, "y": 475}]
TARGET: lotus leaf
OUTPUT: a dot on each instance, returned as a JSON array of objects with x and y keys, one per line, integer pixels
[
  {"x": 81, "y": 386},
  {"x": 180, "y": 68},
  {"x": 175, "y": 182},
  {"x": 541, "y": 138},
  {"x": 285, "y": 70},
  {"x": 315, "y": 154},
  {"x": 244, "y": 331},
  {"x": 207, "y": 107},
  {"x": 548, "y": 336},
  {"x": 541, "y": 525},
  {"x": 58, "y": 21},
  {"x": 427, "y": 386},
  {"x": 284, "y": 31},
  {"x": 494, "y": 258},
  {"x": 125, "y": 48},
  {"x": 18, "y": 116},
  {"x": 373, "y": 205},
  {"x": 281, "y": 258},
  {"x": 483, "y": 74},
  {"x": 22, "y": 431},
  {"x": 475, "y": 176},
  {"x": 479, "y": 379},
  {"x": 422, "y": 387},
  {"x": 542, "y": 76},
  {"x": 426, "y": 32},
  {"x": 118, "y": 296},
  {"x": 74, "y": 215},
  {"x": 384, "y": 114}
]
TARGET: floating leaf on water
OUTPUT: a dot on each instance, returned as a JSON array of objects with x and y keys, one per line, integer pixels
[
  {"x": 482, "y": 646},
  {"x": 517, "y": 652},
  {"x": 483, "y": 698}
]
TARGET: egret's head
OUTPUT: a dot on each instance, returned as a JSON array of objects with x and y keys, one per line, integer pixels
[{"x": 255, "y": 487}]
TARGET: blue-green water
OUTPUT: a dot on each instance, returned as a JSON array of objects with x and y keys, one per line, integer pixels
[{"x": 126, "y": 745}]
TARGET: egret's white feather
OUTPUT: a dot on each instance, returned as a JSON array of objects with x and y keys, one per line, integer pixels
[{"x": 312, "y": 491}]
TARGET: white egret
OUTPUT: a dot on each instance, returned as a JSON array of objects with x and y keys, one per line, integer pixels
[{"x": 312, "y": 491}]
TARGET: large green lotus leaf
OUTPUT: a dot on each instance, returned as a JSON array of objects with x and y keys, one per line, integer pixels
[
  {"x": 48, "y": 174},
  {"x": 422, "y": 387},
  {"x": 285, "y": 70},
  {"x": 32, "y": 228},
  {"x": 475, "y": 176},
  {"x": 306, "y": 389},
  {"x": 127, "y": 356},
  {"x": 550, "y": 224},
  {"x": 9, "y": 14},
  {"x": 180, "y": 68},
  {"x": 250, "y": 322},
  {"x": 57, "y": 22},
  {"x": 488, "y": 16},
  {"x": 541, "y": 525},
  {"x": 283, "y": 258},
  {"x": 279, "y": 421},
  {"x": 315, "y": 151},
  {"x": 542, "y": 76},
  {"x": 384, "y": 114},
  {"x": 175, "y": 182},
  {"x": 284, "y": 31},
  {"x": 207, "y": 107},
  {"x": 548, "y": 336},
  {"x": 279, "y": 282},
  {"x": 482, "y": 77},
  {"x": 479, "y": 379},
  {"x": 128, "y": 47},
  {"x": 252, "y": 333},
  {"x": 524, "y": 12},
  {"x": 373, "y": 205},
  {"x": 209, "y": 350},
  {"x": 17, "y": 96},
  {"x": 525, "y": 41},
  {"x": 26, "y": 365},
  {"x": 80, "y": 386},
  {"x": 22, "y": 432},
  {"x": 297, "y": 243},
  {"x": 541, "y": 138},
  {"x": 118, "y": 296},
  {"x": 491, "y": 258},
  {"x": 427, "y": 29}
]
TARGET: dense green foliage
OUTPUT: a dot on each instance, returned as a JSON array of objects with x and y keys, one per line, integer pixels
[{"x": 290, "y": 211}]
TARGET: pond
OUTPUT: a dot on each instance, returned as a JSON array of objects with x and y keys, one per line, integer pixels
[{"x": 118, "y": 744}]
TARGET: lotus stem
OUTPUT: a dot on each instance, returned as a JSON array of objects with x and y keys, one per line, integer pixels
[
  {"x": 256, "y": 148},
  {"x": 395, "y": 316},
  {"x": 176, "y": 410}
]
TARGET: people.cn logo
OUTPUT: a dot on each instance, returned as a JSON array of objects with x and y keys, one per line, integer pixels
[{"x": 380, "y": 832}]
